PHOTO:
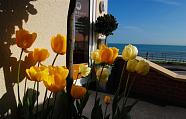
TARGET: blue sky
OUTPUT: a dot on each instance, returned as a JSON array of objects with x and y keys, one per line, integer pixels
[{"x": 149, "y": 21}]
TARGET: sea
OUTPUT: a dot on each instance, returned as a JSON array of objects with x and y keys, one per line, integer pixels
[{"x": 157, "y": 52}]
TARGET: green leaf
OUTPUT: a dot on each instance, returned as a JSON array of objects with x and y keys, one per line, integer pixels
[
  {"x": 83, "y": 102},
  {"x": 117, "y": 113},
  {"x": 115, "y": 103},
  {"x": 78, "y": 105},
  {"x": 74, "y": 111},
  {"x": 64, "y": 106},
  {"x": 107, "y": 117},
  {"x": 97, "y": 110},
  {"x": 84, "y": 117},
  {"x": 45, "y": 113},
  {"x": 129, "y": 107},
  {"x": 30, "y": 98}
]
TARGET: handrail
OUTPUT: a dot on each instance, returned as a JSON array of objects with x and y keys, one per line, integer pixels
[{"x": 164, "y": 71}]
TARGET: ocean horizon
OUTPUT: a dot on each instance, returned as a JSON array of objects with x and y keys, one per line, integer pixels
[{"x": 176, "y": 52}]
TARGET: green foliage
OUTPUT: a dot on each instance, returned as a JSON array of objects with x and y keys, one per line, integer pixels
[
  {"x": 97, "y": 110},
  {"x": 106, "y": 24},
  {"x": 80, "y": 105},
  {"x": 26, "y": 109}
]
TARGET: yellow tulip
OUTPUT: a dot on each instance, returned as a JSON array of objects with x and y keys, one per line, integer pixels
[
  {"x": 115, "y": 55},
  {"x": 108, "y": 55},
  {"x": 131, "y": 64},
  {"x": 59, "y": 44},
  {"x": 142, "y": 67},
  {"x": 129, "y": 52},
  {"x": 107, "y": 100},
  {"x": 105, "y": 55},
  {"x": 24, "y": 39},
  {"x": 95, "y": 56},
  {"x": 37, "y": 73},
  {"x": 84, "y": 70},
  {"x": 76, "y": 74},
  {"x": 78, "y": 92},
  {"x": 56, "y": 80},
  {"x": 104, "y": 74},
  {"x": 40, "y": 54},
  {"x": 80, "y": 70}
]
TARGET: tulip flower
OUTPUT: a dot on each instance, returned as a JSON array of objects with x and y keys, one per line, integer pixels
[
  {"x": 129, "y": 52},
  {"x": 56, "y": 80},
  {"x": 95, "y": 56},
  {"x": 108, "y": 55},
  {"x": 24, "y": 39},
  {"x": 59, "y": 44},
  {"x": 80, "y": 70},
  {"x": 84, "y": 70},
  {"x": 37, "y": 73},
  {"x": 103, "y": 75},
  {"x": 40, "y": 54},
  {"x": 131, "y": 64},
  {"x": 76, "y": 74},
  {"x": 104, "y": 55},
  {"x": 78, "y": 92},
  {"x": 107, "y": 100},
  {"x": 142, "y": 67}
]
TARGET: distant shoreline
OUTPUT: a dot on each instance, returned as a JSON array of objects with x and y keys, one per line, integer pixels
[
  {"x": 167, "y": 53},
  {"x": 151, "y": 44}
]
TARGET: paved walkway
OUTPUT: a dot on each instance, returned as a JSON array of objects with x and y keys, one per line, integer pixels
[
  {"x": 176, "y": 68},
  {"x": 144, "y": 110}
]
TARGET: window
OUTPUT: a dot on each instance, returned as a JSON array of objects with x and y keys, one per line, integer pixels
[{"x": 82, "y": 31}]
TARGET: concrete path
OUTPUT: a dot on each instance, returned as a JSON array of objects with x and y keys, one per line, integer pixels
[{"x": 143, "y": 110}]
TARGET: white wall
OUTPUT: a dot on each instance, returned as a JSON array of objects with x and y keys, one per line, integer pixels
[{"x": 51, "y": 18}]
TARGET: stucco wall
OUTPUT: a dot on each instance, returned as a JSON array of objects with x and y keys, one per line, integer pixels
[{"x": 49, "y": 20}]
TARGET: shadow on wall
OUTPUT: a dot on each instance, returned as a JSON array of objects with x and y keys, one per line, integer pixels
[{"x": 12, "y": 13}]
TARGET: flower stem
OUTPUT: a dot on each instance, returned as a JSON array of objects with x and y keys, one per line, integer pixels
[
  {"x": 55, "y": 59},
  {"x": 77, "y": 78},
  {"x": 55, "y": 97},
  {"x": 121, "y": 77},
  {"x": 105, "y": 111},
  {"x": 18, "y": 76},
  {"x": 44, "y": 98},
  {"x": 130, "y": 87},
  {"x": 25, "y": 87},
  {"x": 46, "y": 91},
  {"x": 126, "y": 86},
  {"x": 48, "y": 102},
  {"x": 97, "y": 84},
  {"x": 37, "y": 93}
]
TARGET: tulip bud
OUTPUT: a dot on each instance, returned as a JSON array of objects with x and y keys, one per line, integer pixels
[
  {"x": 84, "y": 70},
  {"x": 95, "y": 56},
  {"x": 78, "y": 92},
  {"x": 142, "y": 67},
  {"x": 104, "y": 74},
  {"x": 131, "y": 64},
  {"x": 59, "y": 44},
  {"x": 107, "y": 100},
  {"x": 129, "y": 52},
  {"x": 24, "y": 39},
  {"x": 40, "y": 54}
]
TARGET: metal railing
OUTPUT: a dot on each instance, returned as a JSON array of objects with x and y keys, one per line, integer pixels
[{"x": 164, "y": 56}]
